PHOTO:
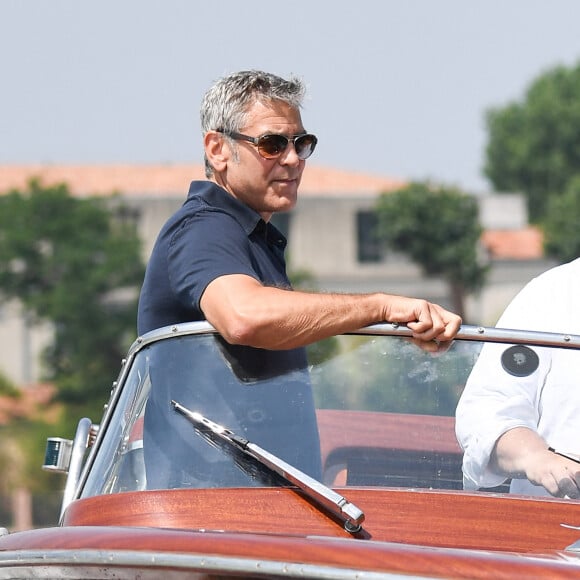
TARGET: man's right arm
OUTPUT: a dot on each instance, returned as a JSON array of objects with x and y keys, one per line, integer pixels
[{"x": 246, "y": 312}]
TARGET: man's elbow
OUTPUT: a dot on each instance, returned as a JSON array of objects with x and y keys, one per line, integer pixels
[{"x": 241, "y": 330}]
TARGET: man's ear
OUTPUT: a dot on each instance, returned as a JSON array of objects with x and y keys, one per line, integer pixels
[{"x": 217, "y": 150}]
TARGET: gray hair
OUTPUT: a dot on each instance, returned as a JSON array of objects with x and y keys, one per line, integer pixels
[{"x": 226, "y": 103}]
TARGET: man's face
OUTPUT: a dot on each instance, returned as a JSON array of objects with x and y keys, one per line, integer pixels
[{"x": 266, "y": 185}]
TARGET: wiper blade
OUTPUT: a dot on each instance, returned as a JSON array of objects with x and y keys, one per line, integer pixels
[{"x": 338, "y": 505}]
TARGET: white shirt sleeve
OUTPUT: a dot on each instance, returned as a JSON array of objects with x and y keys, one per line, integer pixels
[
  {"x": 495, "y": 401},
  {"x": 546, "y": 399}
]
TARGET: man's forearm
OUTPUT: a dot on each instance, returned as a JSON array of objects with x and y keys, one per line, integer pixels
[
  {"x": 514, "y": 451},
  {"x": 246, "y": 312}
]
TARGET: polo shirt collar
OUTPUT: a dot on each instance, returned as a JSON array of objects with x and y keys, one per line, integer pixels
[{"x": 249, "y": 219}]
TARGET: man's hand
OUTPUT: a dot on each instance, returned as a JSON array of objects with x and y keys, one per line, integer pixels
[
  {"x": 428, "y": 321},
  {"x": 558, "y": 475},
  {"x": 521, "y": 452}
]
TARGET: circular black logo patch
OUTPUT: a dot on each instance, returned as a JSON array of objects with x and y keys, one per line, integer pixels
[{"x": 519, "y": 361}]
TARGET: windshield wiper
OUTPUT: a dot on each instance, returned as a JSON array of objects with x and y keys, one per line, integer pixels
[{"x": 339, "y": 506}]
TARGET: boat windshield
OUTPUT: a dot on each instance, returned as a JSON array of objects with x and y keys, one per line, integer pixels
[{"x": 370, "y": 408}]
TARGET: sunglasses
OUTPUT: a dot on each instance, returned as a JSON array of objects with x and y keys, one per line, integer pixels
[{"x": 272, "y": 146}]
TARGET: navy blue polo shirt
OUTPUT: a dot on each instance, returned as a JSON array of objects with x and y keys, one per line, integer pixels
[
  {"x": 213, "y": 234},
  {"x": 268, "y": 392}
]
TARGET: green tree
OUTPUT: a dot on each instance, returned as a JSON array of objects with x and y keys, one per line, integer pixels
[
  {"x": 7, "y": 387},
  {"x": 534, "y": 145},
  {"x": 21, "y": 457},
  {"x": 561, "y": 232},
  {"x": 438, "y": 228},
  {"x": 27, "y": 418},
  {"x": 75, "y": 263}
]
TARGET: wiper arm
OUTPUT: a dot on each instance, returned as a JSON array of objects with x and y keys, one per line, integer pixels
[{"x": 350, "y": 514}]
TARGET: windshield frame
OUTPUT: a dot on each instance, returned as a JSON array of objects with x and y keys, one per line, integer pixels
[{"x": 466, "y": 333}]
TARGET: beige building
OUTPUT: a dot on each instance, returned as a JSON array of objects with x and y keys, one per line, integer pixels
[{"x": 328, "y": 234}]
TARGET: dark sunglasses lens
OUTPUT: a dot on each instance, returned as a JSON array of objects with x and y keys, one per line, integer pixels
[
  {"x": 305, "y": 146},
  {"x": 271, "y": 146}
]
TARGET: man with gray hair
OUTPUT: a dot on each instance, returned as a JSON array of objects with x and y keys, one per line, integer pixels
[{"x": 219, "y": 258}]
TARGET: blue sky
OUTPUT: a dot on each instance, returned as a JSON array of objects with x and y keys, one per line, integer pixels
[{"x": 395, "y": 88}]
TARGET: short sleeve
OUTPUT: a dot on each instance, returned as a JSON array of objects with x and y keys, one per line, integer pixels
[{"x": 207, "y": 245}]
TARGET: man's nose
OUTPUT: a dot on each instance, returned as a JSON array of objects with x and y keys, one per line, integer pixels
[{"x": 289, "y": 156}]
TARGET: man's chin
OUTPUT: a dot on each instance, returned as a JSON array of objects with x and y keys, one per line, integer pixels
[
  {"x": 286, "y": 197},
  {"x": 284, "y": 206}
]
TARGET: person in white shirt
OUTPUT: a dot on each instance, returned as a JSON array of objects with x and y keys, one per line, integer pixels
[{"x": 519, "y": 415}]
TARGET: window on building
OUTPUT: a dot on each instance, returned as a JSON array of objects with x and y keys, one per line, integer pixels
[
  {"x": 369, "y": 248},
  {"x": 127, "y": 214}
]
